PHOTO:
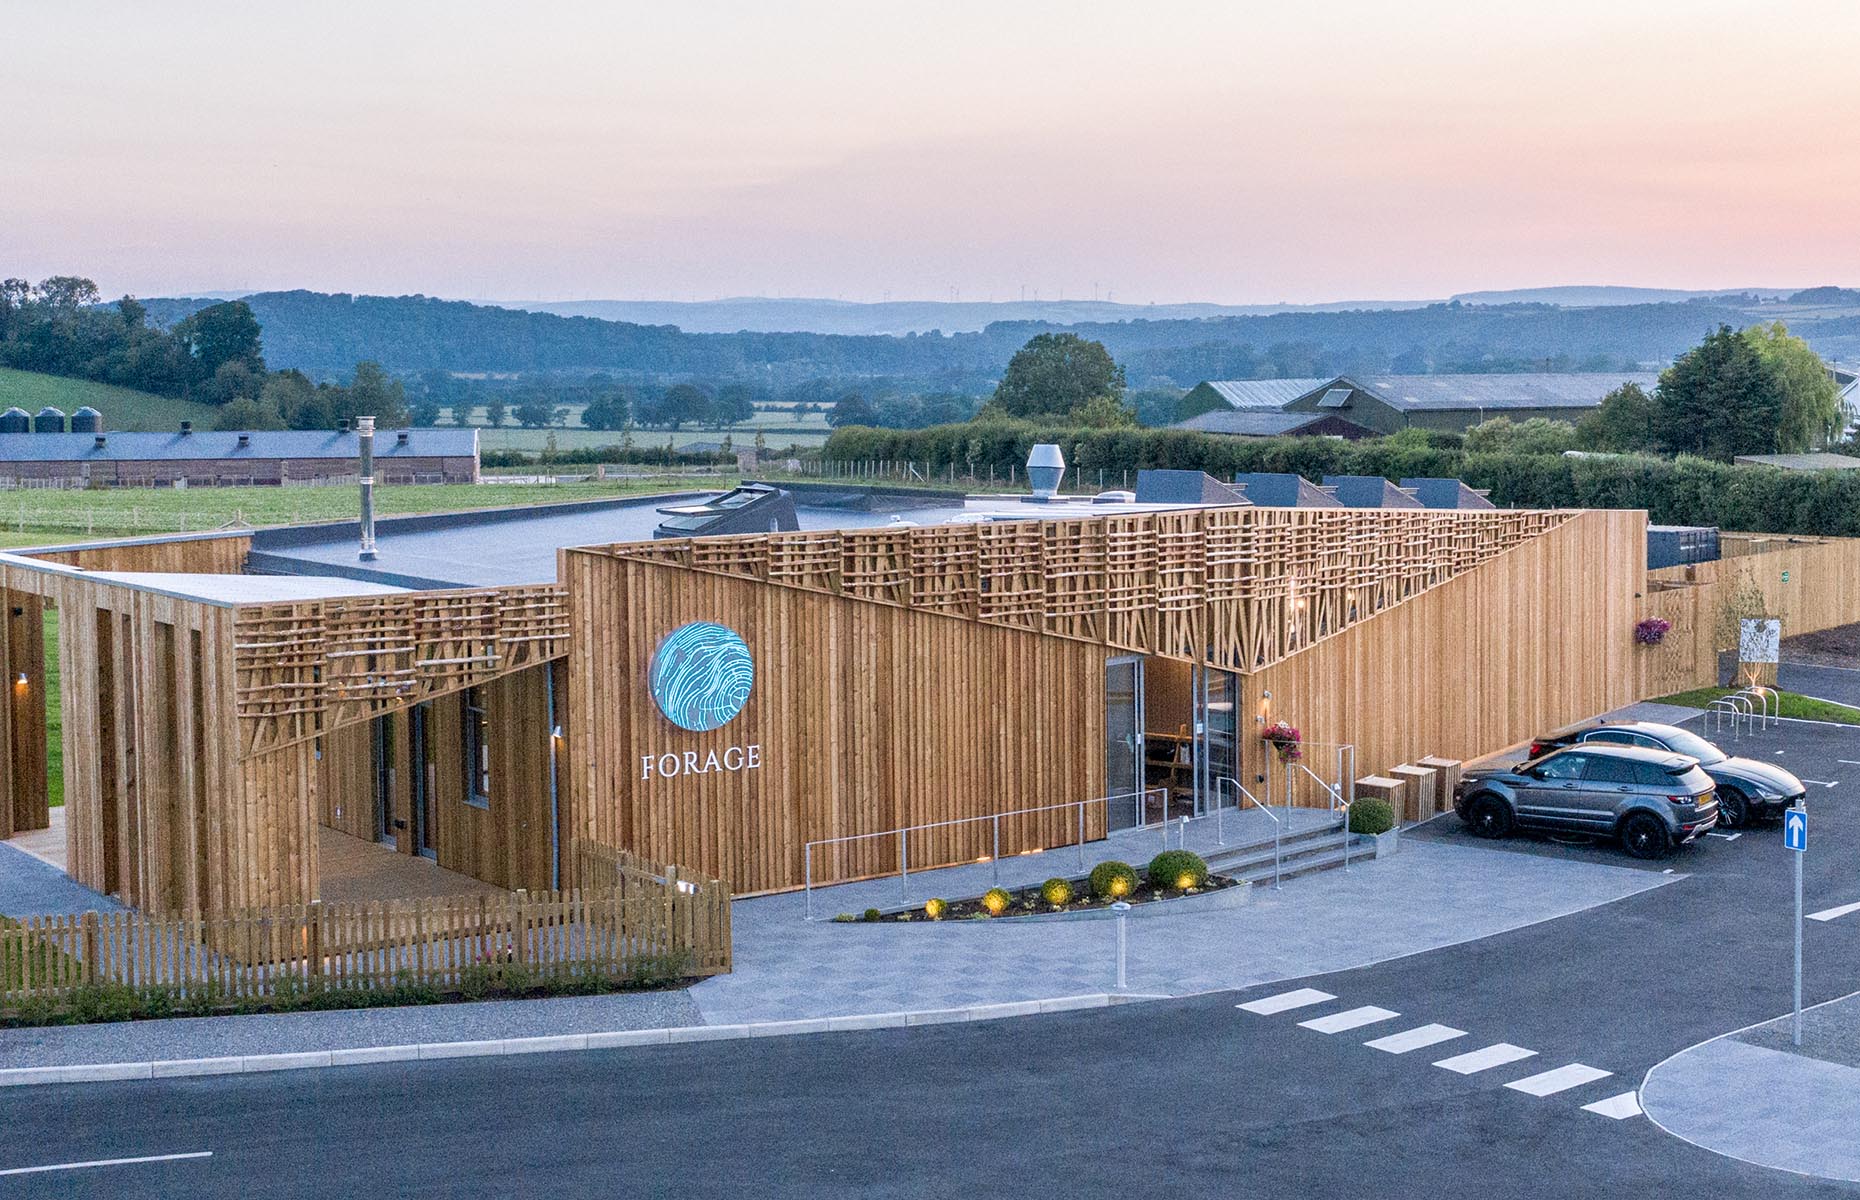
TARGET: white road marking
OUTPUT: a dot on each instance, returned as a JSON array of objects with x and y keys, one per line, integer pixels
[
  {"x": 1729, "y": 837},
  {"x": 1369, "y": 1014},
  {"x": 1415, "y": 1039},
  {"x": 1848, "y": 762},
  {"x": 105, "y": 1162},
  {"x": 1549, "y": 1083},
  {"x": 1486, "y": 1059},
  {"x": 1820, "y": 782},
  {"x": 1286, "y": 1001},
  {"x": 1621, "y": 1107},
  {"x": 1828, "y": 914}
]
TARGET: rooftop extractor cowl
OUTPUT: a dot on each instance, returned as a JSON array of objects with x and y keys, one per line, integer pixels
[{"x": 1046, "y": 468}]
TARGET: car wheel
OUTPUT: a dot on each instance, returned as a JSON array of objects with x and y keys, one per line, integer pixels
[
  {"x": 1643, "y": 835},
  {"x": 1733, "y": 809},
  {"x": 1488, "y": 817}
]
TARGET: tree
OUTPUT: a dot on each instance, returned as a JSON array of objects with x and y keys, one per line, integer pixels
[
  {"x": 372, "y": 392},
  {"x": 610, "y": 409},
  {"x": 244, "y": 413},
  {"x": 1054, "y": 373},
  {"x": 1623, "y": 423},
  {"x": 1811, "y": 405},
  {"x": 734, "y": 405},
  {"x": 423, "y": 410},
  {"x": 294, "y": 398},
  {"x": 852, "y": 409},
  {"x": 682, "y": 403},
  {"x": 1102, "y": 412},
  {"x": 1719, "y": 399},
  {"x": 494, "y": 410},
  {"x": 219, "y": 334},
  {"x": 537, "y": 411},
  {"x": 1502, "y": 435}
]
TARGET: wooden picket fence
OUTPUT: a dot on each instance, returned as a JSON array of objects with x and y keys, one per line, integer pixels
[{"x": 637, "y": 923}]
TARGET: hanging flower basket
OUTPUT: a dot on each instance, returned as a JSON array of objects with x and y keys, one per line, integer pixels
[
  {"x": 1652, "y": 631},
  {"x": 1285, "y": 739}
]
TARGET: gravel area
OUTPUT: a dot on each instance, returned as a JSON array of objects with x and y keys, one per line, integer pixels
[
  {"x": 1830, "y": 1033},
  {"x": 1837, "y": 647},
  {"x": 275, "y": 1033}
]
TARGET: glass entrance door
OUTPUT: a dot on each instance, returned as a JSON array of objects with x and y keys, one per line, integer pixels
[
  {"x": 1123, "y": 740},
  {"x": 384, "y": 780},
  {"x": 421, "y": 764}
]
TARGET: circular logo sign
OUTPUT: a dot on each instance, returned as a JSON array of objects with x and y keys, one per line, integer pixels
[{"x": 701, "y": 676}]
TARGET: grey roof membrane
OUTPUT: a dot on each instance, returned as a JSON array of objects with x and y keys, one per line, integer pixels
[{"x": 1368, "y": 491}]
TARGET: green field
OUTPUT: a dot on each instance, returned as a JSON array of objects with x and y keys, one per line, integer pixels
[
  {"x": 122, "y": 408},
  {"x": 54, "y": 515}
]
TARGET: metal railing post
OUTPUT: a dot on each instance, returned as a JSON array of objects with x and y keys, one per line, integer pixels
[
  {"x": 1107, "y": 821},
  {"x": 904, "y": 864},
  {"x": 997, "y": 857},
  {"x": 807, "y": 877}
]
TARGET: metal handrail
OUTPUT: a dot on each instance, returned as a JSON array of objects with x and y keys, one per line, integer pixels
[
  {"x": 904, "y": 834},
  {"x": 1277, "y": 825},
  {"x": 1337, "y": 804}
]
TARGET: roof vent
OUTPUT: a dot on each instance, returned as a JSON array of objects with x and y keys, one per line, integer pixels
[
  {"x": 100, "y": 440},
  {"x": 342, "y": 426},
  {"x": 245, "y": 441},
  {"x": 1046, "y": 469},
  {"x": 187, "y": 427},
  {"x": 400, "y": 439}
]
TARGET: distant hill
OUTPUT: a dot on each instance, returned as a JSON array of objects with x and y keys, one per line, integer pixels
[
  {"x": 122, "y": 408},
  {"x": 802, "y": 315},
  {"x": 325, "y": 335},
  {"x": 1581, "y": 296}
]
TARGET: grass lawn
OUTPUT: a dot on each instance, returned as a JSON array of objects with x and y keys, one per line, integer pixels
[
  {"x": 34, "y": 516},
  {"x": 1805, "y": 708},
  {"x": 122, "y": 408}
]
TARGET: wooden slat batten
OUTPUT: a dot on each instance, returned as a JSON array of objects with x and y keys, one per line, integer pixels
[
  {"x": 1238, "y": 588},
  {"x": 308, "y": 667}
]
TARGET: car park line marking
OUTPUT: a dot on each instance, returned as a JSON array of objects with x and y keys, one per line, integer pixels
[
  {"x": 1484, "y": 1060},
  {"x": 1850, "y": 762},
  {"x": 1619, "y": 1108},
  {"x": 1549, "y": 1083},
  {"x": 1820, "y": 782},
  {"x": 1415, "y": 1039},
  {"x": 1828, "y": 914},
  {"x": 1369, "y": 1014},
  {"x": 106, "y": 1162},
  {"x": 1286, "y": 1001},
  {"x": 1729, "y": 837}
]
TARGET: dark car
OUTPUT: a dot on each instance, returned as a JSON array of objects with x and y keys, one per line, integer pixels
[
  {"x": 1748, "y": 789},
  {"x": 1652, "y": 800}
]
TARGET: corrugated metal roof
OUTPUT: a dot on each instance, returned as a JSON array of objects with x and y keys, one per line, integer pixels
[
  {"x": 1263, "y": 393},
  {"x": 1801, "y": 462},
  {"x": 1246, "y": 423},
  {"x": 1368, "y": 491},
  {"x": 224, "y": 444},
  {"x": 1454, "y": 393}
]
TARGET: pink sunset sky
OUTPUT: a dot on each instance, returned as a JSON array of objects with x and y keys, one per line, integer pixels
[{"x": 1234, "y": 152}]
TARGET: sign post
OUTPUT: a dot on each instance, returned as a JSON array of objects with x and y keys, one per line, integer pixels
[{"x": 1795, "y": 837}]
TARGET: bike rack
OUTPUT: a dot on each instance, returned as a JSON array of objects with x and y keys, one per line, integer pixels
[{"x": 1756, "y": 694}]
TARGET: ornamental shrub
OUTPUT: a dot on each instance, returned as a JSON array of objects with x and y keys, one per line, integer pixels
[
  {"x": 1113, "y": 880},
  {"x": 1056, "y": 892},
  {"x": 1371, "y": 814},
  {"x": 935, "y": 908},
  {"x": 871, "y": 914},
  {"x": 996, "y": 901},
  {"x": 1177, "y": 869}
]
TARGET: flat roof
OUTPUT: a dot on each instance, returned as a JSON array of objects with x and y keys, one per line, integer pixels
[
  {"x": 224, "y": 444},
  {"x": 497, "y": 547},
  {"x": 247, "y": 589}
]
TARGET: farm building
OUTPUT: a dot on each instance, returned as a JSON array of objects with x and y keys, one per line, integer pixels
[
  {"x": 1381, "y": 404},
  {"x": 227, "y": 457},
  {"x": 246, "y": 713}
]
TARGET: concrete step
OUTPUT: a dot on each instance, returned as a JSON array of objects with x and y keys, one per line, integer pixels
[
  {"x": 1221, "y": 860},
  {"x": 1310, "y": 859}
]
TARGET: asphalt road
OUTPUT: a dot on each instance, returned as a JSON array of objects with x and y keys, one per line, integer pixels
[
  {"x": 1839, "y": 684},
  {"x": 1187, "y": 1097}
]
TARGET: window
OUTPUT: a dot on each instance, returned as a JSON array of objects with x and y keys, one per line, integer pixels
[
  {"x": 1562, "y": 766},
  {"x": 1605, "y": 768},
  {"x": 477, "y": 751}
]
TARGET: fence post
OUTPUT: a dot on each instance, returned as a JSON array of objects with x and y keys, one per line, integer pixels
[
  {"x": 90, "y": 946},
  {"x": 520, "y": 918},
  {"x": 313, "y": 940}
]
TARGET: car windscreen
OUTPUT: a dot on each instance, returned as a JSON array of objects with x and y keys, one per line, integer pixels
[{"x": 1693, "y": 746}]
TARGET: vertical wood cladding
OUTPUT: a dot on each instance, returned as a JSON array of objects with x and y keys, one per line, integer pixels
[
  {"x": 866, "y": 717},
  {"x": 23, "y": 727}
]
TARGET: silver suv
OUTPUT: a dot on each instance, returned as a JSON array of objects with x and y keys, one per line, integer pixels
[{"x": 1652, "y": 800}]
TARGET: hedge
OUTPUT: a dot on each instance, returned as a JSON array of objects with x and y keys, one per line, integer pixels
[{"x": 1683, "y": 491}]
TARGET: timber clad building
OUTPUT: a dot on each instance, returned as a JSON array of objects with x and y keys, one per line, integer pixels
[{"x": 495, "y": 689}]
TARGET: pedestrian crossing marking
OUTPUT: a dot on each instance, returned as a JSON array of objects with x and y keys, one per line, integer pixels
[
  {"x": 1352, "y": 1019},
  {"x": 1286, "y": 1001}
]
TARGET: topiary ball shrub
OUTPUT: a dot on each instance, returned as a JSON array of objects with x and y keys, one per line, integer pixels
[
  {"x": 936, "y": 908},
  {"x": 1113, "y": 880},
  {"x": 996, "y": 901},
  {"x": 871, "y": 914},
  {"x": 1056, "y": 892},
  {"x": 1371, "y": 814},
  {"x": 1178, "y": 869}
]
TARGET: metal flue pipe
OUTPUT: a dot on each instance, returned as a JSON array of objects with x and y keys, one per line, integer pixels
[{"x": 365, "y": 434}]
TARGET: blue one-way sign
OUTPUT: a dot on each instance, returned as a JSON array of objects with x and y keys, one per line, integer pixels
[{"x": 1795, "y": 829}]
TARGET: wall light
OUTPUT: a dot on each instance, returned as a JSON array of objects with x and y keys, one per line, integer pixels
[
  {"x": 20, "y": 683},
  {"x": 556, "y": 733}
]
